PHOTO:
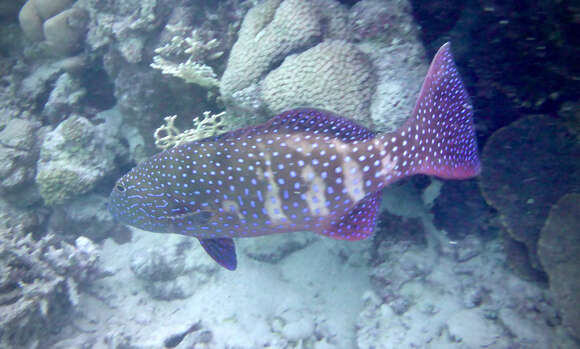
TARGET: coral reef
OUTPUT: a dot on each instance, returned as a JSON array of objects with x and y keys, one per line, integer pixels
[
  {"x": 150, "y": 58},
  {"x": 333, "y": 75},
  {"x": 368, "y": 75},
  {"x": 526, "y": 167},
  {"x": 559, "y": 252},
  {"x": 39, "y": 284}
]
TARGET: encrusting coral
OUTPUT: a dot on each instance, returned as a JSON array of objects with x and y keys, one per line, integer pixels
[
  {"x": 559, "y": 252},
  {"x": 526, "y": 167}
]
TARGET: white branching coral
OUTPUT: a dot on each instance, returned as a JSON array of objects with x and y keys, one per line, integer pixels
[
  {"x": 169, "y": 136},
  {"x": 169, "y": 58}
]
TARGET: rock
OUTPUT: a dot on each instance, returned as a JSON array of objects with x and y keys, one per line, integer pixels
[
  {"x": 472, "y": 216},
  {"x": 74, "y": 157},
  {"x": 525, "y": 331},
  {"x": 173, "y": 271},
  {"x": 272, "y": 249},
  {"x": 389, "y": 22},
  {"x": 473, "y": 297},
  {"x": 19, "y": 220},
  {"x": 473, "y": 330},
  {"x": 400, "y": 70},
  {"x": 86, "y": 215},
  {"x": 471, "y": 246},
  {"x": 18, "y": 154},
  {"x": 559, "y": 252},
  {"x": 64, "y": 98},
  {"x": 298, "y": 330}
]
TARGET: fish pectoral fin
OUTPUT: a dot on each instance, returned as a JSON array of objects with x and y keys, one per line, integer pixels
[
  {"x": 222, "y": 250},
  {"x": 358, "y": 223}
]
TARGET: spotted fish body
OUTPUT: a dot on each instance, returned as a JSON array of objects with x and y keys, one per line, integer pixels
[{"x": 305, "y": 169}]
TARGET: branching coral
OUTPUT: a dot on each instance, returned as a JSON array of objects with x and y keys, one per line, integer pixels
[
  {"x": 38, "y": 283},
  {"x": 196, "y": 49},
  {"x": 168, "y": 135}
]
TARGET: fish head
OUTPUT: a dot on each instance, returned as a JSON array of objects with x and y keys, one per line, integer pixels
[{"x": 141, "y": 198}]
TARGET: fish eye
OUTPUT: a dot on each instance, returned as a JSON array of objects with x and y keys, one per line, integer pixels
[{"x": 120, "y": 188}]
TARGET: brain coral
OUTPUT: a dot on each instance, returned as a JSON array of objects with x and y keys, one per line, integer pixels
[
  {"x": 269, "y": 32},
  {"x": 63, "y": 28},
  {"x": 333, "y": 75}
]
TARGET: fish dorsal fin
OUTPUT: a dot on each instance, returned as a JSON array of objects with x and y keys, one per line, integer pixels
[
  {"x": 358, "y": 223},
  {"x": 319, "y": 122},
  {"x": 222, "y": 250},
  {"x": 314, "y": 121}
]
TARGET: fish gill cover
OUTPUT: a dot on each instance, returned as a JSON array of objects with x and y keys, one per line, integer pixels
[{"x": 305, "y": 169}]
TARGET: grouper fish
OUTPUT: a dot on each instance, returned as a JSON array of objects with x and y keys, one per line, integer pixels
[{"x": 304, "y": 170}]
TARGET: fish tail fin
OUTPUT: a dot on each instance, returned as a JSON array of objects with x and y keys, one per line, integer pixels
[{"x": 439, "y": 138}]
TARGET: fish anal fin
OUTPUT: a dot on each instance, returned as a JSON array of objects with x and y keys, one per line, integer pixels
[
  {"x": 358, "y": 223},
  {"x": 222, "y": 250}
]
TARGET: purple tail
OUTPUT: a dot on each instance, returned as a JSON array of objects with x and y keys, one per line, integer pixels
[{"x": 439, "y": 138}]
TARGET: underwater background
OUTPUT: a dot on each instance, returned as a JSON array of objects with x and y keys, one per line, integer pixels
[{"x": 91, "y": 88}]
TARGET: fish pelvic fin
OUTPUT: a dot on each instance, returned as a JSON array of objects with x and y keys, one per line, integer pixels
[
  {"x": 222, "y": 250},
  {"x": 439, "y": 137}
]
